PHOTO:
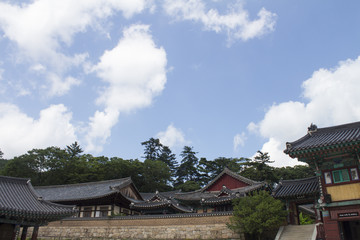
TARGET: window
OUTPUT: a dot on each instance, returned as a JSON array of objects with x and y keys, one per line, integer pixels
[
  {"x": 354, "y": 174},
  {"x": 327, "y": 177},
  {"x": 87, "y": 211},
  {"x": 341, "y": 176},
  {"x": 104, "y": 211}
]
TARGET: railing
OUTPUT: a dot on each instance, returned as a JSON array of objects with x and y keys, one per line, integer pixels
[{"x": 179, "y": 215}]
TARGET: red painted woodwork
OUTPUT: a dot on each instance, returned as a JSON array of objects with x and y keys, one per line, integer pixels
[
  {"x": 331, "y": 229},
  {"x": 228, "y": 181}
]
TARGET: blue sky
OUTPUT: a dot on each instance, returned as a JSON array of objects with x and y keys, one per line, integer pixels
[{"x": 226, "y": 77}]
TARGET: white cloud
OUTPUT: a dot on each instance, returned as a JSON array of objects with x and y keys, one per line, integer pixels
[
  {"x": 20, "y": 133},
  {"x": 60, "y": 87},
  {"x": 135, "y": 71},
  {"x": 333, "y": 98},
  {"x": 172, "y": 137},
  {"x": 239, "y": 141},
  {"x": 1, "y": 73},
  {"x": 236, "y": 23},
  {"x": 44, "y": 29}
]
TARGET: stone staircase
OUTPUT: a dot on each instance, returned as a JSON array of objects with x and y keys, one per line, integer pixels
[{"x": 297, "y": 232}]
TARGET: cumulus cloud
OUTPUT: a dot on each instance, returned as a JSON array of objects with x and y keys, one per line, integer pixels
[
  {"x": 20, "y": 133},
  {"x": 43, "y": 29},
  {"x": 330, "y": 97},
  {"x": 172, "y": 137},
  {"x": 135, "y": 71},
  {"x": 236, "y": 23},
  {"x": 239, "y": 140}
]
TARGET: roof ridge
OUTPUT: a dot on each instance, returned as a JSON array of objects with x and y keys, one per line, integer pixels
[
  {"x": 341, "y": 126},
  {"x": 298, "y": 180},
  {"x": 81, "y": 184},
  {"x": 40, "y": 198},
  {"x": 15, "y": 178},
  {"x": 232, "y": 174}
]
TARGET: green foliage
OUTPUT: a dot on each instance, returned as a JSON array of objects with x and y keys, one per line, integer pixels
[
  {"x": 156, "y": 174},
  {"x": 188, "y": 186},
  {"x": 159, "y": 171},
  {"x": 305, "y": 219},
  {"x": 258, "y": 168},
  {"x": 257, "y": 214},
  {"x": 188, "y": 169},
  {"x": 210, "y": 169},
  {"x": 3, "y": 163},
  {"x": 152, "y": 149},
  {"x": 155, "y": 151},
  {"x": 74, "y": 150},
  {"x": 296, "y": 172}
]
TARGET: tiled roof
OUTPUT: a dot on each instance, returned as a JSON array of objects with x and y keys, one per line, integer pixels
[
  {"x": 160, "y": 200},
  {"x": 195, "y": 195},
  {"x": 325, "y": 138},
  {"x": 232, "y": 194},
  {"x": 18, "y": 200},
  {"x": 159, "y": 195},
  {"x": 297, "y": 188},
  {"x": 232, "y": 174},
  {"x": 82, "y": 191},
  {"x": 172, "y": 203},
  {"x": 212, "y": 197}
]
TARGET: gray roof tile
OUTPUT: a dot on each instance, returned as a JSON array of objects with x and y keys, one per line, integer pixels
[
  {"x": 82, "y": 191},
  {"x": 325, "y": 138},
  {"x": 296, "y": 188},
  {"x": 18, "y": 199}
]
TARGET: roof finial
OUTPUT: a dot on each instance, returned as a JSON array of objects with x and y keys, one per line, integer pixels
[{"x": 312, "y": 128}]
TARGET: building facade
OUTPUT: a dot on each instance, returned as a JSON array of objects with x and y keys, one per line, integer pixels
[
  {"x": 21, "y": 207},
  {"x": 334, "y": 152},
  {"x": 95, "y": 199},
  {"x": 121, "y": 197}
]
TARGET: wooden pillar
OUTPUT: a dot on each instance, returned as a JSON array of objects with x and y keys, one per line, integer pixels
[
  {"x": 15, "y": 232},
  {"x": 35, "y": 233},
  {"x": 113, "y": 209},
  {"x": 24, "y": 233}
]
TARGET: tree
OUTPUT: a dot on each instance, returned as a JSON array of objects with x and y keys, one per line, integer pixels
[
  {"x": 74, "y": 150},
  {"x": 296, "y": 172},
  {"x": 258, "y": 168},
  {"x": 169, "y": 159},
  {"x": 156, "y": 176},
  {"x": 155, "y": 151},
  {"x": 3, "y": 162},
  {"x": 187, "y": 170},
  {"x": 210, "y": 169},
  {"x": 152, "y": 149},
  {"x": 256, "y": 215},
  {"x": 188, "y": 186}
]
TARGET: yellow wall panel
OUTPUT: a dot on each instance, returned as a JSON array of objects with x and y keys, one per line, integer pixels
[{"x": 344, "y": 192}]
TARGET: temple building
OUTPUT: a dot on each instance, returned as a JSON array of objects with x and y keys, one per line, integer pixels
[
  {"x": 299, "y": 195},
  {"x": 121, "y": 197},
  {"x": 95, "y": 199},
  {"x": 160, "y": 203},
  {"x": 218, "y": 194},
  {"x": 22, "y": 207},
  {"x": 334, "y": 153}
]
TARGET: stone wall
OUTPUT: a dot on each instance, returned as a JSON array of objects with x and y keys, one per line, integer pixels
[{"x": 197, "y": 226}]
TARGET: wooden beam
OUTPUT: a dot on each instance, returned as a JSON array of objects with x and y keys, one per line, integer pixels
[
  {"x": 35, "y": 233},
  {"x": 24, "y": 233}
]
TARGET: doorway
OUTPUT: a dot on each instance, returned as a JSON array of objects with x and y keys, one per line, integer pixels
[{"x": 349, "y": 230}]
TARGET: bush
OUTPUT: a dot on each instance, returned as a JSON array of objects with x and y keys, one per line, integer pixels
[{"x": 257, "y": 215}]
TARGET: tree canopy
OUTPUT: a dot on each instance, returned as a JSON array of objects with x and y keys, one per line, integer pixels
[
  {"x": 159, "y": 171},
  {"x": 257, "y": 214}
]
